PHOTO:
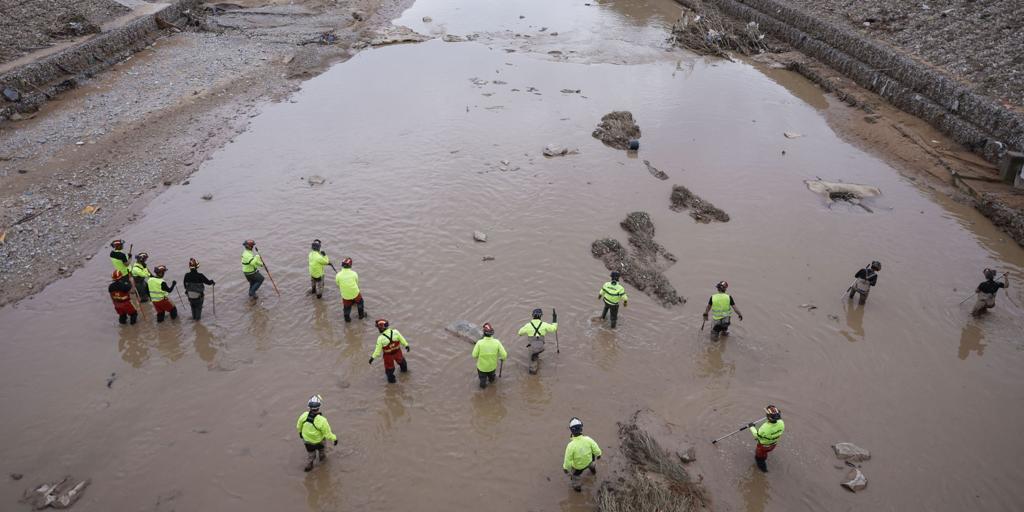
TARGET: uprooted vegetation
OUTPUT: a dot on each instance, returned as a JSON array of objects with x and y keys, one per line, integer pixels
[
  {"x": 655, "y": 477},
  {"x": 702, "y": 29},
  {"x": 700, "y": 210},
  {"x": 642, "y": 268}
]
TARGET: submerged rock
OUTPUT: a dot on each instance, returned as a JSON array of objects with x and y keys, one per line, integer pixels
[
  {"x": 616, "y": 129},
  {"x": 465, "y": 330},
  {"x": 855, "y": 481},
  {"x": 479, "y": 236},
  {"x": 556, "y": 150},
  {"x": 59, "y": 494},
  {"x": 851, "y": 452},
  {"x": 316, "y": 180}
]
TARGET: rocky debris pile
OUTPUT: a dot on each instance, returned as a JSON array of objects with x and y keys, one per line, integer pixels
[
  {"x": 392, "y": 34},
  {"x": 60, "y": 494},
  {"x": 848, "y": 192},
  {"x": 655, "y": 477},
  {"x": 703, "y": 30},
  {"x": 616, "y": 129},
  {"x": 28, "y": 25},
  {"x": 700, "y": 210},
  {"x": 479, "y": 236},
  {"x": 855, "y": 480},
  {"x": 642, "y": 268},
  {"x": 558, "y": 150},
  {"x": 465, "y": 330},
  {"x": 657, "y": 173}
]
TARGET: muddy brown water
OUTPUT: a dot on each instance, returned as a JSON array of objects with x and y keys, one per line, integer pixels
[{"x": 202, "y": 415}]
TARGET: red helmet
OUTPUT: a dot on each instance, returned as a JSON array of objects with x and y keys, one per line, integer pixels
[
  {"x": 192, "y": 263},
  {"x": 488, "y": 329},
  {"x": 346, "y": 263},
  {"x": 382, "y": 325},
  {"x": 160, "y": 270},
  {"x": 117, "y": 244},
  {"x": 249, "y": 244},
  {"x": 116, "y": 275}
]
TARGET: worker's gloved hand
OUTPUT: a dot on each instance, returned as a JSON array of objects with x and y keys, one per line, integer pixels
[
  {"x": 598, "y": 458},
  {"x": 625, "y": 303},
  {"x": 566, "y": 471},
  {"x": 750, "y": 425},
  {"x": 322, "y": 253},
  {"x": 213, "y": 283},
  {"x": 554, "y": 318},
  {"x": 335, "y": 442},
  {"x": 371, "y": 360},
  {"x": 408, "y": 348},
  {"x": 529, "y": 345},
  {"x": 741, "y": 317},
  {"x": 129, "y": 255},
  {"x": 705, "y": 315},
  {"x": 173, "y": 283}
]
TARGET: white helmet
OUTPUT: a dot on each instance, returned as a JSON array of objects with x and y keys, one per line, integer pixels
[
  {"x": 576, "y": 426},
  {"x": 315, "y": 401}
]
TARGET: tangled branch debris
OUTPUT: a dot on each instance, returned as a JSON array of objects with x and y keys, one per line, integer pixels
[{"x": 705, "y": 31}]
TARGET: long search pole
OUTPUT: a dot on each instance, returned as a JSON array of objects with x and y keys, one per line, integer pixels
[
  {"x": 738, "y": 431},
  {"x": 557, "y": 349},
  {"x": 271, "y": 276},
  {"x": 213, "y": 291}
]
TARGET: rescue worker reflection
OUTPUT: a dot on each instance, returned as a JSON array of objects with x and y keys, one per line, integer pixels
[
  {"x": 612, "y": 293},
  {"x": 313, "y": 430},
  {"x": 767, "y": 435},
  {"x": 987, "y": 291},
  {"x": 120, "y": 293},
  {"x": 581, "y": 454},
  {"x": 390, "y": 343},
  {"x": 195, "y": 288},
  {"x": 865, "y": 278},
  {"x": 721, "y": 305},
  {"x": 535, "y": 330},
  {"x": 159, "y": 293},
  {"x": 487, "y": 351}
]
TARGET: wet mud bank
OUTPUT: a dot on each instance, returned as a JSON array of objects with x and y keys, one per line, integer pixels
[
  {"x": 41, "y": 80},
  {"x": 861, "y": 72}
]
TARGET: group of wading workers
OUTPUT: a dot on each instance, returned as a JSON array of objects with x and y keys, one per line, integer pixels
[{"x": 581, "y": 453}]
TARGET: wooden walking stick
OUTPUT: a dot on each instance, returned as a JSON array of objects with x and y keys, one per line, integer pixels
[{"x": 271, "y": 276}]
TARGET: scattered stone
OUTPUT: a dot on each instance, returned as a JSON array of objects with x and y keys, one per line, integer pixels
[
  {"x": 616, "y": 129},
  {"x": 856, "y": 481},
  {"x": 488, "y": 258},
  {"x": 556, "y": 150},
  {"x": 571, "y": 91},
  {"x": 200, "y": 431},
  {"x": 427, "y": 19},
  {"x": 849, "y": 192},
  {"x": 394, "y": 34},
  {"x": 851, "y": 452},
  {"x": 186, "y": 182},
  {"x": 690, "y": 455},
  {"x": 17, "y": 476},
  {"x": 207, "y": 196},
  {"x": 553, "y": 34},
  {"x": 809, "y": 307},
  {"x": 315, "y": 180},
  {"x": 111, "y": 379},
  {"x": 358, "y": 16},
  {"x": 12, "y": 95},
  {"x": 792, "y": 135},
  {"x": 465, "y": 330},
  {"x": 700, "y": 210},
  {"x": 72, "y": 25},
  {"x": 168, "y": 183},
  {"x": 655, "y": 172},
  {"x": 450, "y": 38},
  {"x": 479, "y": 236}
]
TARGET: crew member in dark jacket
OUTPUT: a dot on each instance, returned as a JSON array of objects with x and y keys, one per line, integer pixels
[{"x": 195, "y": 289}]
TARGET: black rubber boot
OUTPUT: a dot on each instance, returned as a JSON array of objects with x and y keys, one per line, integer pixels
[
  {"x": 323, "y": 454},
  {"x": 762, "y": 464},
  {"x": 174, "y": 313},
  {"x": 391, "y": 376},
  {"x": 483, "y": 382},
  {"x": 160, "y": 317},
  {"x": 309, "y": 464},
  {"x": 403, "y": 366},
  {"x": 123, "y": 319},
  {"x": 134, "y": 317}
]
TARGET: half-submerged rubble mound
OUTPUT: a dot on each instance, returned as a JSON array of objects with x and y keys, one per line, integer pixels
[
  {"x": 704, "y": 31},
  {"x": 616, "y": 129},
  {"x": 642, "y": 268},
  {"x": 700, "y": 210},
  {"x": 655, "y": 477}
]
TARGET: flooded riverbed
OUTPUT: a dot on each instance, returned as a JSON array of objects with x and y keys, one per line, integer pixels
[{"x": 412, "y": 141}]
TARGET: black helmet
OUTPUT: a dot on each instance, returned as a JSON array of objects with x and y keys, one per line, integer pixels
[
  {"x": 316, "y": 244},
  {"x": 537, "y": 313},
  {"x": 722, "y": 286},
  {"x": 160, "y": 270},
  {"x": 876, "y": 266},
  {"x": 615, "y": 275},
  {"x": 488, "y": 330},
  {"x": 249, "y": 244},
  {"x": 576, "y": 426},
  {"x": 990, "y": 274},
  {"x": 772, "y": 413}
]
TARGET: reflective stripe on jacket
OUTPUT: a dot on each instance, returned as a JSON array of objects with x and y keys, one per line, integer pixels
[
  {"x": 612, "y": 293},
  {"x": 768, "y": 433},
  {"x": 721, "y": 306},
  {"x": 580, "y": 452}
]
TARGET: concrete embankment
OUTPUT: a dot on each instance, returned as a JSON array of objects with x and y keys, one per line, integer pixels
[
  {"x": 974, "y": 120},
  {"x": 40, "y": 80}
]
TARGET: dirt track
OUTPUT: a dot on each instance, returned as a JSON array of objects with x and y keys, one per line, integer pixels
[{"x": 149, "y": 122}]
